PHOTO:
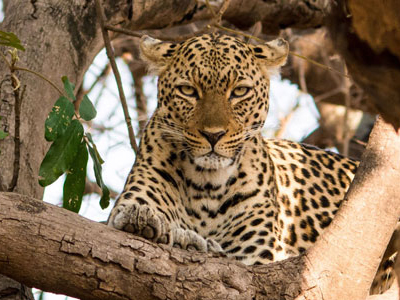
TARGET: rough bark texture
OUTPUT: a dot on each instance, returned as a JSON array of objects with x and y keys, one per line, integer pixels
[
  {"x": 12, "y": 290},
  {"x": 369, "y": 49},
  {"x": 43, "y": 245},
  {"x": 374, "y": 193},
  {"x": 274, "y": 15}
]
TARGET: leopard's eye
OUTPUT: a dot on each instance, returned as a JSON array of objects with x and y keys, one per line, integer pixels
[
  {"x": 187, "y": 90},
  {"x": 240, "y": 91}
]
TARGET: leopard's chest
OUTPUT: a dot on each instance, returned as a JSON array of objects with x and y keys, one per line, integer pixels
[{"x": 212, "y": 199}]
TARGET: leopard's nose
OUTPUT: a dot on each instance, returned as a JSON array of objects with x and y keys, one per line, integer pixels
[{"x": 213, "y": 137}]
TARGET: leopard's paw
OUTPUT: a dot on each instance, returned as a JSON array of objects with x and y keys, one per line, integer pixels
[
  {"x": 141, "y": 220},
  {"x": 213, "y": 246},
  {"x": 190, "y": 240}
]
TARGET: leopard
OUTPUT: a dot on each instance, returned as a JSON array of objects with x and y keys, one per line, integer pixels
[{"x": 205, "y": 179}]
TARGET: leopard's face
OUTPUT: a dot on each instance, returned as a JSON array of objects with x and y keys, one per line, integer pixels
[{"x": 213, "y": 93}]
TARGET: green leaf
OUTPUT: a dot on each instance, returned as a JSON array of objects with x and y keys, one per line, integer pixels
[
  {"x": 11, "y": 40},
  {"x": 61, "y": 154},
  {"x": 68, "y": 87},
  {"x": 58, "y": 119},
  {"x": 3, "y": 134},
  {"x": 74, "y": 184},
  {"x": 105, "y": 198},
  {"x": 89, "y": 136},
  {"x": 86, "y": 109}
]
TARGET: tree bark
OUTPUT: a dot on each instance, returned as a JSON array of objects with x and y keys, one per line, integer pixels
[
  {"x": 56, "y": 250},
  {"x": 274, "y": 15},
  {"x": 12, "y": 290},
  {"x": 367, "y": 217},
  {"x": 366, "y": 34}
]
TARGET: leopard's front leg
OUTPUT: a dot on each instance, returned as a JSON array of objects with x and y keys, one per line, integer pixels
[{"x": 150, "y": 207}]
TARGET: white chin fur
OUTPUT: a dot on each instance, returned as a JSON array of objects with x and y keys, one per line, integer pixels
[{"x": 213, "y": 161}]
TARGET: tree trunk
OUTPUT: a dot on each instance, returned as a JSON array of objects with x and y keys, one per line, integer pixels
[{"x": 367, "y": 217}]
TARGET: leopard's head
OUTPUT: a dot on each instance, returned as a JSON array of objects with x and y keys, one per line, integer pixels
[{"x": 213, "y": 92}]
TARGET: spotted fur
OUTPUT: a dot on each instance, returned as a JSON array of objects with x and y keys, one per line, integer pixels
[{"x": 205, "y": 178}]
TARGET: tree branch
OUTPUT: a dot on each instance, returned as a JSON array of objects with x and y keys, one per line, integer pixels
[
  {"x": 110, "y": 55},
  {"x": 367, "y": 217},
  {"x": 274, "y": 15},
  {"x": 42, "y": 245}
]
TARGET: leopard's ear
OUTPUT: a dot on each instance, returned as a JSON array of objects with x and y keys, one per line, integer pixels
[
  {"x": 156, "y": 53},
  {"x": 271, "y": 55}
]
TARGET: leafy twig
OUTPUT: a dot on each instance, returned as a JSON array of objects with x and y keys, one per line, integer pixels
[
  {"x": 41, "y": 76},
  {"x": 110, "y": 55},
  {"x": 93, "y": 188}
]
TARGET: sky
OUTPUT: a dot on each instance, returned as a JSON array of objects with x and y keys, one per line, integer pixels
[{"x": 114, "y": 146}]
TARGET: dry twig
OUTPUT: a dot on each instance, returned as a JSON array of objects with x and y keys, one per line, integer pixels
[
  {"x": 92, "y": 188},
  {"x": 18, "y": 96},
  {"x": 345, "y": 130},
  {"x": 110, "y": 55}
]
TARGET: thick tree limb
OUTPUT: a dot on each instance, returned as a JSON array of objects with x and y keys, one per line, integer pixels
[
  {"x": 367, "y": 218},
  {"x": 43, "y": 245},
  {"x": 369, "y": 44},
  {"x": 274, "y": 15}
]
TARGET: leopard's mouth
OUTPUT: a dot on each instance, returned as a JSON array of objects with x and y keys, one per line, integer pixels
[
  {"x": 213, "y": 161},
  {"x": 214, "y": 155}
]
